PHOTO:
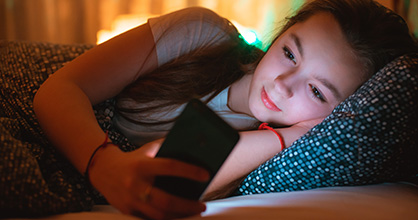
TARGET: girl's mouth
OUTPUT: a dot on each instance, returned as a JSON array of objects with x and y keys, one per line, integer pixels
[{"x": 267, "y": 102}]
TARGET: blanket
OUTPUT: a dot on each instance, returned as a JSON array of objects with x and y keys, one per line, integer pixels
[{"x": 35, "y": 179}]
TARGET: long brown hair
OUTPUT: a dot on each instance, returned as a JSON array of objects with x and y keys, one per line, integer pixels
[{"x": 202, "y": 72}]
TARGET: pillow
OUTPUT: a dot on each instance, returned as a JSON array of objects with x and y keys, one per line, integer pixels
[{"x": 369, "y": 138}]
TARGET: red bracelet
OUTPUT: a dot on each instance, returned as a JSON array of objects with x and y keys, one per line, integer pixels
[
  {"x": 86, "y": 173},
  {"x": 265, "y": 126}
]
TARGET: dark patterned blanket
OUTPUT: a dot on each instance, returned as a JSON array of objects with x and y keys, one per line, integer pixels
[{"x": 34, "y": 180}]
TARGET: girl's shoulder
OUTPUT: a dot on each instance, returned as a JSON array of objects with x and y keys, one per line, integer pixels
[
  {"x": 185, "y": 30},
  {"x": 192, "y": 17}
]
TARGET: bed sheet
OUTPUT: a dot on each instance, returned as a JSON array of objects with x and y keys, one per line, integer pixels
[{"x": 381, "y": 201}]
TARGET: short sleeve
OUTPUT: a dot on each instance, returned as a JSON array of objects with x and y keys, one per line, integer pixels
[{"x": 186, "y": 30}]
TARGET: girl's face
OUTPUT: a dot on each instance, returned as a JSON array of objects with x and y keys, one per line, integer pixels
[{"x": 305, "y": 74}]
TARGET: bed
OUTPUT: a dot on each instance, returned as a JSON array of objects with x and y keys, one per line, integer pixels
[
  {"x": 33, "y": 183},
  {"x": 380, "y": 201}
]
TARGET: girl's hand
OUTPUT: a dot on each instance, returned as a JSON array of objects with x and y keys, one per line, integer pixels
[{"x": 126, "y": 181}]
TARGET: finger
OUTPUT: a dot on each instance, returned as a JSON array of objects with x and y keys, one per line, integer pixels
[
  {"x": 151, "y": 149},
  {"x": 134, "y": 205},
  {"x": 171, "y": 167},
  {"x": 147, "y": 211},
  {"x": 174, "y": 205},
  {"x": 157, "y": 204}
]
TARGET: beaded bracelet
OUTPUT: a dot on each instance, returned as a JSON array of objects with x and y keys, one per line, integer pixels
[
  {"x": 86, "y": 173},
  {"x": 265, "y": 126}
]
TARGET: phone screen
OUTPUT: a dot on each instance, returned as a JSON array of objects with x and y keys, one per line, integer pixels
[{"x": 199, "y": 136}]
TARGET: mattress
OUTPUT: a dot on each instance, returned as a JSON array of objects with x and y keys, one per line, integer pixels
[{"x": 380, "y": 201}]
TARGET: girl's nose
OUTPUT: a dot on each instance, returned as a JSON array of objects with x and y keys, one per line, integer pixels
[{"x": 283, "y": 84}]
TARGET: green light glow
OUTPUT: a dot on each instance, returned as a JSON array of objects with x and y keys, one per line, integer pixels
[
  {"x": 250, "y": 36},
  {"x": 296, "y": 4}
]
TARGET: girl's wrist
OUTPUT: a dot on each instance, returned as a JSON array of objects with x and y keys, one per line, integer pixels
[
  {"x": 91, "y": 159},
  {"x": 105, "y": 152},
  {"x": 265, "y": 126}
]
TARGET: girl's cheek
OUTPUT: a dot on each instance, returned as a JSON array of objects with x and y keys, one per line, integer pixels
[
  {"x": 309, "y": 109},
  {"x": 320, "y": 112}
]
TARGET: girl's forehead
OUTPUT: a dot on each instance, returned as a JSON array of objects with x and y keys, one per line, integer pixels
[
  {"x": 321, "y": 21},
  {"x": 320, "y": 29},
  {"x": 321, "y": 48}
]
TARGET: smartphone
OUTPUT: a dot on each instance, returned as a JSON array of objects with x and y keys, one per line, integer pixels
[{"x": 200, "y": 137}]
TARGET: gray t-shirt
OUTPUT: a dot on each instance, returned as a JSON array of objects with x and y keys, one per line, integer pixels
[{"x": 176, "y": 34}]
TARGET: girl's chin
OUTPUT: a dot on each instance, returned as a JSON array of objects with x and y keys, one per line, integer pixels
[
  {"x": 263, "y": 117},
  {"x": 261, "y": 113}
]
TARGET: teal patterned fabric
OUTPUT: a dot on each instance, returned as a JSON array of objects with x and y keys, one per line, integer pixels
[{"x": 369, "y": 138}]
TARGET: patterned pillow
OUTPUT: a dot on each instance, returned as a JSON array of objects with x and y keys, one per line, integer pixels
[{"x": 369, "y": 138}]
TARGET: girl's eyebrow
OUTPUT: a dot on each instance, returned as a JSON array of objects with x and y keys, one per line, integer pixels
[
  {"x": 330, "y": 86},
  {"x": 325, "y": 82},
  {"x": 296, "y": 39}
]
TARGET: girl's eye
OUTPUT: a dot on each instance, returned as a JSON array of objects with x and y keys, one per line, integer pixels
[
  {"x": 289, "y": 55},
  {"x": 317, "y": 94}
]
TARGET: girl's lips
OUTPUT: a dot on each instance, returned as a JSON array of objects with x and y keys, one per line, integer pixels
[{"x": 267, "y": 102}]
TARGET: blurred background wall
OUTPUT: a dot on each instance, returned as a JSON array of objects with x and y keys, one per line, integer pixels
[{"x": 82, "y": 21}]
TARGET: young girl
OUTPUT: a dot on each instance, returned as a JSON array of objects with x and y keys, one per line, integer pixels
[{"x": 322, "y": 55}]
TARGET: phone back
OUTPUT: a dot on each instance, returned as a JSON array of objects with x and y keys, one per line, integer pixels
[{"x": 199, "y": 136}]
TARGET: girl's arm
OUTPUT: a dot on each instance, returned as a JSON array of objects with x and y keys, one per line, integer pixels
[
  {"x": 253, "y": 149},
  {"x": 64, "y": 102},
  {"x": 63, "y": 106}
]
